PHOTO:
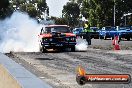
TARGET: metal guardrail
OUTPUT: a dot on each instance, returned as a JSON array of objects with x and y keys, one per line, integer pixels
[{"x": 25, "y": 78}]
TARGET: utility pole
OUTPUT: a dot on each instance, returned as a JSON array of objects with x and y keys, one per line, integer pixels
[
  {"x": 114, "y": 12},
  {"x": 125, "y": 21}
]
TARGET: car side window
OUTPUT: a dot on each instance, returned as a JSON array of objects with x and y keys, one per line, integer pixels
[{"x": 47, "y": 30}]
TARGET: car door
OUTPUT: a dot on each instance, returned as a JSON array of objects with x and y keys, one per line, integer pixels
[
  {"x": 102, "y": 32},
  {"x": 112, "y": 32}
]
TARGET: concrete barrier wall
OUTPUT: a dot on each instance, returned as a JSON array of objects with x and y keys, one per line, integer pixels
[
  {"x": 13, "y": 74},
  {"x": 6, "y": 80}
]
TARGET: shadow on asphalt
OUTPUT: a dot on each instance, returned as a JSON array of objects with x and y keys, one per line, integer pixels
[
  {"x": 44, "y": 58},
  {"x": 56, "y": 51}
]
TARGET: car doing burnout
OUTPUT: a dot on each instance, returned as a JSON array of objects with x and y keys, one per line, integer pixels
[{"x": 56, "y": 37}]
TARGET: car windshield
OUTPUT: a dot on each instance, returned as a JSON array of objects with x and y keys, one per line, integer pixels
[
  {"x": 57, "y": 29},
  {"x": 78, "y": 29}
]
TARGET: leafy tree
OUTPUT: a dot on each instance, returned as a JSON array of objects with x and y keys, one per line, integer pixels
[
  {"x": 31, "y": 10},
  {"x": 4, "y": 4},
  {"x": 5, "y": 9},
  {"x": 122, "y": 7},
  {"x": 101, "y": 12},
  {"x": 59, "y": 21},
  {"x": 35, "y": 8},
  {"x": 42, "y": 5},
  {"x": 71, "y": 12}
]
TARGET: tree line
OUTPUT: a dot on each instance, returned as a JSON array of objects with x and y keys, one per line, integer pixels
[
  {"x": 98, "y": 12},
  {"x": 35, "y": 8}
]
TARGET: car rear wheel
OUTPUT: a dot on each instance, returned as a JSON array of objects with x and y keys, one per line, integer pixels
[
  {"x": 61, "y": 49},
  {"x": 128, "y": 39},
  {"x": 112, "y": 38},
  {"x": 100, "y": 37},
  {"x": 73, "y": 48}
]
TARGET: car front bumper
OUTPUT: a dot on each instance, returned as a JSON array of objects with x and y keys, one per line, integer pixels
[{"x": 58, "y": 44}]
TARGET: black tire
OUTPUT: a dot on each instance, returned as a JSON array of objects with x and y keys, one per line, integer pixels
[
  {"x": 42, "y": 49},
  {"x": 120, "y": 38},
  {"x": 100, "y": 37},
  {"x": 128, "y": 39},
  {"x": 112, "y": 38},
  {"x": 73, "y": 48},
  {"x": 61, "y": 49}
]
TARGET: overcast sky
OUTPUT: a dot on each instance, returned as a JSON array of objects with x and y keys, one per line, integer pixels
[{"x": 56, "y": 6}]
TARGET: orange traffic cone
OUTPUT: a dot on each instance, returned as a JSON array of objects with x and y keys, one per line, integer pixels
[{"x": 115, "y": 42}]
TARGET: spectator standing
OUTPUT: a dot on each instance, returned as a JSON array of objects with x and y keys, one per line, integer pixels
[{"x": 88, "y": 31}]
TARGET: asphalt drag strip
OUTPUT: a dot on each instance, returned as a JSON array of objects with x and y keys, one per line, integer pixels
[{"x": 59, "y": 68}]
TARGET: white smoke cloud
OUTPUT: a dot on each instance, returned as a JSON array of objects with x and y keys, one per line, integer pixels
[
  {"x": 19, "y": 33},
  {"x": 81, "y": 45}
]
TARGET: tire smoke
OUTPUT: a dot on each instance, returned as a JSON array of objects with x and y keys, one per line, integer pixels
[
  {"x": 81, "y": 44},
  {"x": 19, "y": 33}
]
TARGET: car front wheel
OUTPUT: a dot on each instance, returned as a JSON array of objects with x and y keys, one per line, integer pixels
[
  {"x": 100, "y": 37},
  {"x": 128, "y": 39},
  {"x": 42, "y": 49},
  {"x": 73, "y": 48}
]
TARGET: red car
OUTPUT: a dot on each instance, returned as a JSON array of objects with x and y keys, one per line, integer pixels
[{"x": 57, "y": 37}]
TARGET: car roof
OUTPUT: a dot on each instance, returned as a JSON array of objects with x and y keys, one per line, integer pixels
[{"x": 57, "y": 26}]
